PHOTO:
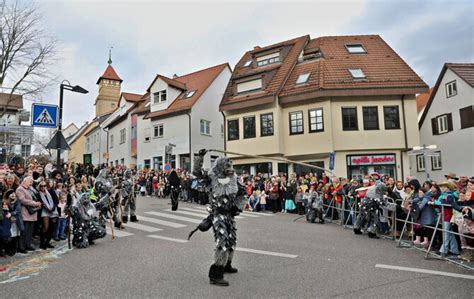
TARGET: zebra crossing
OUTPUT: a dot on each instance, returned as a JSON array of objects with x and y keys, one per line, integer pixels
[{"x": 165, "y": 219}]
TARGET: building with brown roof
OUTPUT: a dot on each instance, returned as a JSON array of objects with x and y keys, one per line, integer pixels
[
  {"x": 304, "y": 99},
  {"x": 447, "y": 121},
  {"x": 180, "y": 116}
]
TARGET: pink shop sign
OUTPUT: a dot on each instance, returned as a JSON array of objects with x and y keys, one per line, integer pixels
[{"x": 372, "y": 160}]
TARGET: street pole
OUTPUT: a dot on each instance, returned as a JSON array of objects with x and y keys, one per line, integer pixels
[
  {"x": 60, "y": 122},
  {"x": 425, "y": 154}
]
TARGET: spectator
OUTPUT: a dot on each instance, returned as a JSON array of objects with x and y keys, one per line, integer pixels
[
  {"x": 29, "y": 213},
  {"x": 426, "y": 218},
  {"x": 447, "y": 198}
]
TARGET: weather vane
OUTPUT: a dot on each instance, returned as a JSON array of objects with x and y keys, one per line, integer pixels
[{"x": 110, "y": 55}]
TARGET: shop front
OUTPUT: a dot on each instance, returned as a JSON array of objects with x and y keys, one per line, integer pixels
[{"x": 359, "y": 166}]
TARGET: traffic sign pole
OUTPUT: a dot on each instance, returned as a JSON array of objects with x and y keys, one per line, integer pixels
[{"x": 60, "y": 126}]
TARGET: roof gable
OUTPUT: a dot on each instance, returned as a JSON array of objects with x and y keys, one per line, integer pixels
[
  {"x": 197, "y": 81},
  {"x": 464, "y": 70}
]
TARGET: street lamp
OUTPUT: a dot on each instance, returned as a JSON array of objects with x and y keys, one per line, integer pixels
[{"x": 65, "y": 85}]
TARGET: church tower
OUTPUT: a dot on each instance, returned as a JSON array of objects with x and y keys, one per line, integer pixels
[{"x": 109, "y": 90}]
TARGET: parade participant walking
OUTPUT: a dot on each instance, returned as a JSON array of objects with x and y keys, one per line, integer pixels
[
  {"x": 226, "y": 202},
  {"x": 175, "y": 184},
  {"x": 129, "y": 199}
]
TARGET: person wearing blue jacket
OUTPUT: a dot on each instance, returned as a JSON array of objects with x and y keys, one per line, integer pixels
[{"x": 426, "y": 217}]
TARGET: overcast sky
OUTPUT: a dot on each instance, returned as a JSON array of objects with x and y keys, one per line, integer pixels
[{"x": 150, "y": 37}]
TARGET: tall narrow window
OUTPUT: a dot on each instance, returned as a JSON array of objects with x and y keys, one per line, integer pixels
[
  {"x": 205, "y": 127},
  {"x": 296, "y": 123},
  {"x": 233, "y": 129},
  {"x": 436, "y": 161},
  {"x": 111, "y": 140},
  {"x": 349, "y": 119},
  {"x": 122, "y": 136},
  {"x": 392, "y": 118},
  {"x": 266, "y": 124},
  {"x": 371, "y": 118},
  {"x": 249, "y": 127},
  {"x": 316, "y": 122},
  {"x": 420, "y": 163}
]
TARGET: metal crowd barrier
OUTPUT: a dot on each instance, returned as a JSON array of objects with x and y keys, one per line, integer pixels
[{"x": 353, "y": 210}]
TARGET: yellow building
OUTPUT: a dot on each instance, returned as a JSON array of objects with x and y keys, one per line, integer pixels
[{"x": 304, "y": 99}]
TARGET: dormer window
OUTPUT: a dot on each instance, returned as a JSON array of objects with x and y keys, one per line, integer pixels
[
  {"x": 159, "y": 96},
  {"x": 248, "y": 63},
  {"x": 268, "y": 59},
  {"x": 249, "y": 86},
  {"x": 355, "y": 49},
  {"x": 357, "y": 73},
  {"x": 310, "y": 54},
  {"x": 302, "y": 78},
  {"x": 189, "y": 94}
]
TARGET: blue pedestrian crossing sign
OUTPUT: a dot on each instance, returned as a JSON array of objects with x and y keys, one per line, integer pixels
[{"x": 44, "y": 115}]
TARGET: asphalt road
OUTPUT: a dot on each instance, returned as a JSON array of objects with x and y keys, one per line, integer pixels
[{"x": 308, "y": 261}]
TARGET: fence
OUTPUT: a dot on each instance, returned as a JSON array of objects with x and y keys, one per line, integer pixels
[{"x": 350, "y": 207}]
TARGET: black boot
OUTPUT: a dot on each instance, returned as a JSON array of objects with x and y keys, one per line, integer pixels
[
  {"x": 118, "y": 225},
  {"x": 133, "y": 219},
  {"x": 216, "y": 276},
  {"x": 229, "y": 269},
  {"x": 124, "y": 219},
  {"x": 357, "y": 231},
  {"x": 43, "y": 242},
  {"x": 373, "y": 235}
]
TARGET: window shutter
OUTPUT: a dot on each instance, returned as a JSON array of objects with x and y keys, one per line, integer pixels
[
  {"x": 466, "y": 115},
  {"x": 434, "y": 126},
  {"x": 450, "y": 122}
]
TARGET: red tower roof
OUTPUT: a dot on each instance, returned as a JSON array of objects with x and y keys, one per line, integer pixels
[{"x": 110, "y": 74}]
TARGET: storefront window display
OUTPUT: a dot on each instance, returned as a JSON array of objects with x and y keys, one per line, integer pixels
[{"x": 359, "y": 166}]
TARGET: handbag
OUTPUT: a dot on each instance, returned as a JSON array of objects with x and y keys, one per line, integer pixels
[{"x": 32, "y": 210}]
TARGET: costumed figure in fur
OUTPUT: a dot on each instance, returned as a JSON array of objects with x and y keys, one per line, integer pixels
[
  {"x": 86, "y": 223},
  {"x": 129, "y": 199},
  {"x": 226, "y": 196}
]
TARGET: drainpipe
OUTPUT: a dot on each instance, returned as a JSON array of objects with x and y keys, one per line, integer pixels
[
  {"x": 225, "y": 143},
  {"x": 191, "y": 155},
  {"x": 107, "y": 149},
  {"x": 405, "y": 136}
]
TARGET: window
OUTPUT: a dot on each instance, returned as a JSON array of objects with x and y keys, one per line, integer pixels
[
  {"x": 268, "y": 59},
  {"x": 357, "y": 73},
  {"x": 316, "y": 123},
  {"x": 391, "y": 117},
  {"x": 249, "y": 86},
  {"x": 355, "y": 49},
  {"x": 296, "y": 123},
  {"x": 189, "y": 94},
  {"x": 158, "y": 131},
  {"x": 266, "y": 124},
  {"x": 88, "y": 143},
  {"x": 159, "y": 97},
  {"x": 111, "y": 140},
  {"x": 436, "y": 161},
  {"x": 122, "y": 136},
  {"x": 158, "y": 163},
  {"x": 147, "y": 134},
  {"x": 249, "y": 127},
  {"x": 122, "y": 161},
  {"x": 371, "y": 118},
  {"x": 205, "y": 127},
  {"x": 25, "y": 150},
  {"x": 442, "y": 124},
  {"x": 349, "y": 119},
  {"x": 420, "y": 163},
  {"x": 451, "y": 89},
  {"x": 247, "y": 63},
  {"x": 302, "y": 78},
  {"x": 233, "y": 129},
  {"x": 466, "y": 115}
]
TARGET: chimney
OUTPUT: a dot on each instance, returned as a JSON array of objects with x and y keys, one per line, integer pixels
[
  {"x": 175, "y": 76},
  {"x": 256, "y": 47}
]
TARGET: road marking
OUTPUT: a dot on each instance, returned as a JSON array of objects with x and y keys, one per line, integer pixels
[
  {"x": 194, "y": 210},
  {"x": 291, "y": 256},
  {"x": 175, "y": 217},
  {"x": 168, "y": 239},
  {"x": 197, "y": 214},
  {"x": 118, "y": 233},
  {"x": 142, "y": 227},
  {"x": 417, "y": 270},
  {"x": 247, "y": 214},
  {"x": 201, "y": 208},
  {"x": 161, "y": 222}
]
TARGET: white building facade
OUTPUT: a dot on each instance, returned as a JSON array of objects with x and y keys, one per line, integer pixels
[
  {"x": 183, "y": 117},
  {"x": 448, "y": 122}
]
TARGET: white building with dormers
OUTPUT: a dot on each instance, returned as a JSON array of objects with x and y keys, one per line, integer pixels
[{"x": 181, "y": 114}]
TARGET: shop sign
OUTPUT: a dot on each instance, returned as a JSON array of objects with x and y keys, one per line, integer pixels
[{"x": 372, "y": 160}]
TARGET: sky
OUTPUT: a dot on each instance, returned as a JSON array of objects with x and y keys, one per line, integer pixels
[{"x": 151, "y": 37}]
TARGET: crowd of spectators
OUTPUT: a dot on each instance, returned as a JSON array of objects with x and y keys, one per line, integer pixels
[{"x": 33, "y": 202}]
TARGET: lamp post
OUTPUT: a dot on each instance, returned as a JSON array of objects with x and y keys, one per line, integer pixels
[{"x": 63, "y": 87}]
